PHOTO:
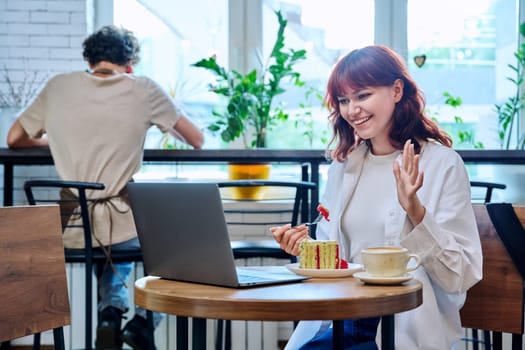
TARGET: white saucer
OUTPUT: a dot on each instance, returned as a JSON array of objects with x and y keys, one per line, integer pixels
[
  {"x": 325, "y": 273},
  {"x": 367, "y": 278}
]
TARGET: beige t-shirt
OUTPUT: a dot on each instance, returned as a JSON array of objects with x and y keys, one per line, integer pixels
[{"x": 96, "y": 129}]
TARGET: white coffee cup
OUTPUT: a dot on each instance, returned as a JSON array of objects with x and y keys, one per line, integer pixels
[{"x": 388, "y": 261}]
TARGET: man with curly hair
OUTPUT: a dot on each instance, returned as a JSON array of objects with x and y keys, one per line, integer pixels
[{"x": 95, "y": 123}]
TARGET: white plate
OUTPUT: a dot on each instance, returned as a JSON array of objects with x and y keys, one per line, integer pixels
[
  {"x": 367, "y": 278},
  {"x": 325, "y": 273}
]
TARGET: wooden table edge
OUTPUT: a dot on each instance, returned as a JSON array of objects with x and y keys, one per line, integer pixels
[{"x": 258, "y": 310}]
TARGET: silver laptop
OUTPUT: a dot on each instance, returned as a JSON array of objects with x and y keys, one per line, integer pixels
[{"x": 184, "y": 236}]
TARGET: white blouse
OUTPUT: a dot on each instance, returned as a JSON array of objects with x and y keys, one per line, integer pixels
[{"x": 447, "y": 240}]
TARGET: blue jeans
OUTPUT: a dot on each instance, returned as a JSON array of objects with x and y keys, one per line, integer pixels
[
  {"x": 358, "y": 334},
  {"x": 111, "y": 289}
]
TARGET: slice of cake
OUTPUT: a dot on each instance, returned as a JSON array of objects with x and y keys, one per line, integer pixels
[{"x": 316, "y": 254}]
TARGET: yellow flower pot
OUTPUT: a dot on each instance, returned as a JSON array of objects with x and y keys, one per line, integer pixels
[{"x": 248, "y": 172}]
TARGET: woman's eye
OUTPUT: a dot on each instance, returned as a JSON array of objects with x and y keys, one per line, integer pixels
[
  {"x": 343, "y": 101},
  {"x": 363, "y": 95}
]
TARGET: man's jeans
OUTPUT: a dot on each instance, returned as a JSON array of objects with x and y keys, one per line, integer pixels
[
  {"x": 358, "y": 334},
  {"x": 111, "y": 289}
]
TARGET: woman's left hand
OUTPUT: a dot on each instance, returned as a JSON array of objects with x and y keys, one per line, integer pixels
[{"x": 409, "y": 180}]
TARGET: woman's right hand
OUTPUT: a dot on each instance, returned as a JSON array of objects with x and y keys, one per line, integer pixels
[{"x": 289, "y": 238}]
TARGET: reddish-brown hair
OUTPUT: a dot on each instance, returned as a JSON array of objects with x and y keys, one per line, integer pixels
[{"x": 375, "y": 66}]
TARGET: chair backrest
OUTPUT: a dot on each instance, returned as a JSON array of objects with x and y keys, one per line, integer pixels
[
  {"x": 33, "y": 292},
  {"x": 495, "y": 303},
  {"x": 283, "y": 202},
  {"x": 48, "y": 191},
  {"x": 489, "y": 188}
]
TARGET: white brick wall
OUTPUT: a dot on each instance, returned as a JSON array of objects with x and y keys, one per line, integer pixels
[{"x": 43, "y": 36}]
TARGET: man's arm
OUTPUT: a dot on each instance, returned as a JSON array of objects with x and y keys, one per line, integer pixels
[
  {"x": 18, "y": 138},
  {"x": 188, "y": 132}
]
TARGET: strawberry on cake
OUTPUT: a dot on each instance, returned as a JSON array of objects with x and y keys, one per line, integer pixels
[{"x": 323, "y": 211}]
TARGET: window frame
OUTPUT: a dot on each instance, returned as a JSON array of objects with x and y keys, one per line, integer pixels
[{"x": 390, "y": 27}]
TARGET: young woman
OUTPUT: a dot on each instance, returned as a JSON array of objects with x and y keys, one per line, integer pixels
[{"x": 394, "y": 181}]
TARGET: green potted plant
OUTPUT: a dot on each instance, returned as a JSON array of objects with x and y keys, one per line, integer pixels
[
  {"x": 250, "y": 110},
  {"x": 250, "y": 106}
]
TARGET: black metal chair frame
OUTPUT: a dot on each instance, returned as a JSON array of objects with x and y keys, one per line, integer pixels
[
  {"x": 89, "y": 255},
  {"x": 265, "y": 248},
  {"x": 301, "y": 209},
  {"x": 490, "y": 186}
]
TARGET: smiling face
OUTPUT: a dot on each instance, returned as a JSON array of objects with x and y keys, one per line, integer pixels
[
  {"x": 369, "y": 111},
  {"x": 372, "y": 97}
]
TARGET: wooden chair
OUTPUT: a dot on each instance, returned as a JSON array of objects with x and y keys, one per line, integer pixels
[
  {"x": 246, "y": 214},
  {"x": 496, "y": 303},
  {"x": 47, "y": 191},
  {"x": 34, "y": 295}
]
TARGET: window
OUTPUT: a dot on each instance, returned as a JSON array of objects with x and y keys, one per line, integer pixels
[
  {"x": 172, "y": 37},
  {"x": 467, "y": 46}
]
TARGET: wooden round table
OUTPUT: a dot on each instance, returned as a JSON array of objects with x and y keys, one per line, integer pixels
[{"x": 334, "y": 299}]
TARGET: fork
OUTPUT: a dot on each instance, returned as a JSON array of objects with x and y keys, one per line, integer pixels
[{"x": 315, "y": 222}]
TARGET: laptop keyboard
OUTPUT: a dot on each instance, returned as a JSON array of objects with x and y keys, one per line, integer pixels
[{"x": 251, "y": 279}]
